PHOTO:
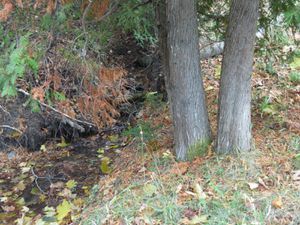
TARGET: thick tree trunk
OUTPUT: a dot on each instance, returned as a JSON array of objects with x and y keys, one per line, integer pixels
[
  {"x": 179, "y": 44},
  {"x": 234, "y": 119}
]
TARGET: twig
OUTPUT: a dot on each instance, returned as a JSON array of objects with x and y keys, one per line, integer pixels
[
  {"x": 86, "y": 10},
  {"x": 36, "y": 177},
  {"x": 4, "y": 110},
  {"x": 12, "y": 128},
  {"x": 49, "y": 178},
  {"x": 145, "y": 2},
  {"x": 57, "y": 111}
]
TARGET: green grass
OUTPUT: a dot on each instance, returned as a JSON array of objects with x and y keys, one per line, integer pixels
[
  {"x": 294, "y": 77},
  {"x": 229, "y": 199}
]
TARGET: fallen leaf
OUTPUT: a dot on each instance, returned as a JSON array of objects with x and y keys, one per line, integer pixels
[
  {"x": 180, "y": 168},
  {"x": 20, "y": 186},
  {"x": 71, "y": 184},
  {"x": 43, "y": 148},
  {"x": 9, "y": 208},
  {"x": 179, "y": 188},
  {"x": 261, "y": 182},
  {"x": 253, "y": 186},
  {"x": 195, "y": 220},
  {"x": 63, "y": 210},
  {"x": 277, "y": 203},
  {"x": 25, "y": 169},
  {"x": 104, "y": 166},
  {"x": 199, "y": 191},
  {"x": 57, "y": 185},
  {"x": 150, "y": 189}
]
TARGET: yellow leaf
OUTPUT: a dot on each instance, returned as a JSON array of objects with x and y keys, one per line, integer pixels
[
  {"x": 42, "y": 198},
  {"x": 218, "y": 71},
  {"x": 104, "y": 166},
  {"x": 71, "y": 184},
  {"x": 277, "y": 203},
  {"x": 78, "y": 202},
  {"x": 43, "y": 148},
  {"x": 199, "y": 219},
  {"x": 113, "y": 138},
  {"x": 63, "y": 143},
  {"x": 20, "y": 186},
  {"x": 209, "y": 88},
  {"x": 86, "y": 190},
  {"x": 150, "y": 189},
  {"x": 296, "y": 63},
  {"x": 63, "y": 210},
  {"x": 199, "y": 191},
  {"x": 25, "y": 169}
]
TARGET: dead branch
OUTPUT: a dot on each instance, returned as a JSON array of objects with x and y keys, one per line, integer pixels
[
  {"x": 4, "y": 110},
  {"x": 12, "y": 128},
  {"x": 71, "y": 121}
]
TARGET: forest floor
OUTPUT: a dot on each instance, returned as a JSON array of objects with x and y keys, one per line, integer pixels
[
  {"x": 147, "y": 185},
  {"x": 131, "y": 177}
]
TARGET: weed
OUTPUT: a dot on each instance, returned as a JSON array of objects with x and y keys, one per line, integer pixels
[
  {"x": 197, "y": 149},
  {"x": 294, "y": 77},
  {"x": 154, "y": 100},
  {"x": 295, "y": 144},
  {"x": 13, "y": 65},
  {"x": 266, "y": 107},
  {"x": 143, "y": 132}
]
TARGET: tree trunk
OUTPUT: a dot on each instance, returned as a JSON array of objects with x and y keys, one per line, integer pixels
[
  {"x": 179, "y": 44},
  {"x": 234, "y": 118}
]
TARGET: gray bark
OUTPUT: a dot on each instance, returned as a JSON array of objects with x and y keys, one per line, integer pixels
[
  {"x": 181, "y": 60},
  {"x": 234, "y": 118}
]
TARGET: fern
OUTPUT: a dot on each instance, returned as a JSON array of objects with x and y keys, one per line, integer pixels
[{"x": 16, "y": 65}]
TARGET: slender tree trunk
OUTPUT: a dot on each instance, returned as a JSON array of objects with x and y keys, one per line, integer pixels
[
  {"x": 180, "y": 51},
  {"x": 234, "y": 119}
]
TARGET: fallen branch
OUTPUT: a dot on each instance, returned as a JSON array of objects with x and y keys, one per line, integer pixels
[
  {"x": 67, "y": 118},
  {"x": 4, "y": 110},
  {"x": 211, "y": 50},
  {"x": 12, "y": 128}
]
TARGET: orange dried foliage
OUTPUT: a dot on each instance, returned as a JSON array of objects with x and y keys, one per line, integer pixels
[
  {"x": 38, "y": 3},
  {"x": 38, "y": 93},
  {"x": 51, "y": 6},
  {"x": 56, "y": 79},
  {"x": 7, "y": 9},
  {"x": 66, "y": 108},
  {"x": 19, "y": 3},
  {"x": 100, "y": 101},
  {"x": 98, "y": 8}
]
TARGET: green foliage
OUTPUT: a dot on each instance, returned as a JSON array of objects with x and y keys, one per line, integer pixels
[
  {"x": 154, "y": 100},
  {"x": 295, "y": 144},
  {"x": 266, "y": 107},
  {"x": 13, "y": 65},
  {"x": 137, "y": 18},
  {"x": 294, "y": 77},
  {"x": 143, "y": 130},
  {"x": 159, "y": 203},
  {"x": 197, "y": 149}
]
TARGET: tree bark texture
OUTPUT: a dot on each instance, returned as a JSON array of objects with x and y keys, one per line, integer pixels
[
  {"x": 234, "y": 117},
  {"x": 179, "y": 44}
]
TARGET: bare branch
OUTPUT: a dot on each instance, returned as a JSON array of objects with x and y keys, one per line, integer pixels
[
  {"x": 12, "y": 128},
  {"x": 67, "y": 119}
]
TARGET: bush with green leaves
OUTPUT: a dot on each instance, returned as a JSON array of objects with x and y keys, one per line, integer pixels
[
  {"x": 14, "y": 63},
  {"x": 137, "y": 18}
]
